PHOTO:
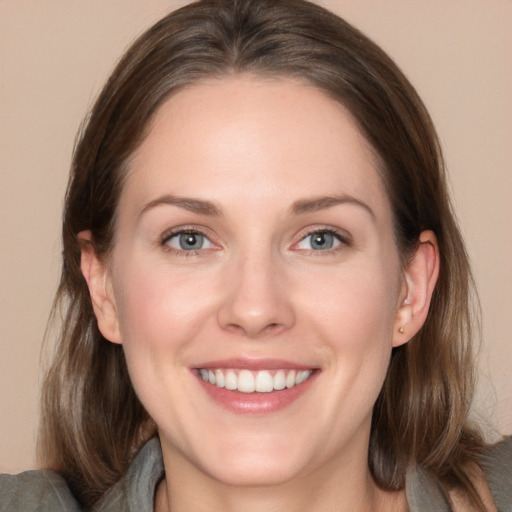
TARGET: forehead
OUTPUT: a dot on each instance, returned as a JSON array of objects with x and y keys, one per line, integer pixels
[{"x": 245, "y": 137}]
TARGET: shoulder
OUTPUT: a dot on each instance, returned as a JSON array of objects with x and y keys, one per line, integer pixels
[
  {"x": 497, "y": 465},
  {"x": 492, "y": 479},
  {"x": 136, "y": 491},
  {"x": 47, "y": 491},
  {"x": 41, "y": 491}
]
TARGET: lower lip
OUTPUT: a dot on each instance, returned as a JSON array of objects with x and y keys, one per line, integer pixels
[{"x": 256, "y": 403}]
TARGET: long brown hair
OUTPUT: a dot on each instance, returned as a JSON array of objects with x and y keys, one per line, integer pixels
[{"x": 92, "y": 421}]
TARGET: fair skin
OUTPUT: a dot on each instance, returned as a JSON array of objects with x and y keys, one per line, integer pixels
[{"x": 254, "y": 234}]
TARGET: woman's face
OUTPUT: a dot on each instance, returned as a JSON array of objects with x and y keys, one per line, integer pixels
[{"x": 254, "y": 248}]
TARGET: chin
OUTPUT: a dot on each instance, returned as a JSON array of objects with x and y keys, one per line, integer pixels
[
  {"x": 252, "y": 462},
  {"x": 255, "y": 473}
]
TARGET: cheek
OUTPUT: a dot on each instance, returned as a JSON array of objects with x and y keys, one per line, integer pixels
[
  {"x": 354, "y": 303},
  {"x": 354, "y": 314},
  {"x": 354, "y": 320},
  {"x": 160, "y": 306},
  {"x": 159, "y": 312}
]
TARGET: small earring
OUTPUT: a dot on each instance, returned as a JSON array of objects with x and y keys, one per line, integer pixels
[{"x": 401, "y": 330}]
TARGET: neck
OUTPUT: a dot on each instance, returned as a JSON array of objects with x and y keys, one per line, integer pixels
[{"x": 349, "y": 488}]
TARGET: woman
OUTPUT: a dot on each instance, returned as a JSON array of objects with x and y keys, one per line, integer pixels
[{"x": 266, "y": 296}]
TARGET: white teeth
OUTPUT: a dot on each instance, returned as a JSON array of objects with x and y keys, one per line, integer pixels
[
  {"x": 279, "y": 380},
  {"x": 247, "y": 381},
  {"x": 264, "y": 382},
  {"x": 290, "y": 379},
  {"x": 231, "y": 381},
  {"x": 302, "y": 376},
  {"x": 219, "y": 379}
]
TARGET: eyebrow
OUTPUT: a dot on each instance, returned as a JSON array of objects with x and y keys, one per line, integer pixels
[
  {"x": 314, "y": 204},
  {"x": 191, "y": 204},
  {"x": 299, "y": 207}
]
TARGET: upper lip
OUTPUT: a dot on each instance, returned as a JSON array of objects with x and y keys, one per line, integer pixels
[{"x": 254, "y": 364}]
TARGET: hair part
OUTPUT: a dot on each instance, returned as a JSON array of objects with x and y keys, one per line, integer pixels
[{"x": 92, "y": 421}]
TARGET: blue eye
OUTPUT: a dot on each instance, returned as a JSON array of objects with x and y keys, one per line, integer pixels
[
  {"x": 319, "y": 241},
  {"x": 189, "y": 241}
]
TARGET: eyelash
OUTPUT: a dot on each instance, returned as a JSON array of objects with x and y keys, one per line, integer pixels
[
  {"x": 344, "y": 239},
  {"x": 168, "y": 235}
]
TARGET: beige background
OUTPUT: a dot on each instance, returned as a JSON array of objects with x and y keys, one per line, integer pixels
[{"x": 54, "y": 57}]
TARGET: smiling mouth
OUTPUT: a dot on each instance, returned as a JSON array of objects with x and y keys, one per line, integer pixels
[{"x": 247, "y": 381}]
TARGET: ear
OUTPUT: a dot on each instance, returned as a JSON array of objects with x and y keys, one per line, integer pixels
[
  {"x": 99, "y": 282},
  {"x": 420, "y": 278}
]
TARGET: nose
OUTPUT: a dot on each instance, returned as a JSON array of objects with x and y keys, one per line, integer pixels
[{"x": 257, "y": 300}]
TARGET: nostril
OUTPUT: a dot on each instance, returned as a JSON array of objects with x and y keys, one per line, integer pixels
[{"x": 273, "y": 327}]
